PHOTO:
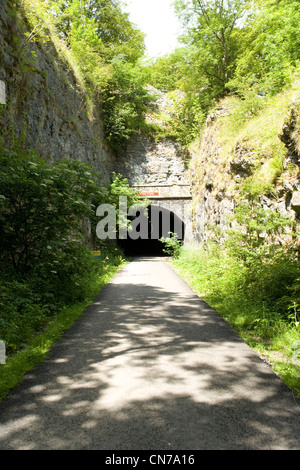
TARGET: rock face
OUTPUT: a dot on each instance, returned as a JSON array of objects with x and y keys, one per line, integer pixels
[
  {"x": 216, "y": 181},
  {"x": 295, "y": 202},
  {"x": 158, "y": 170},
  {"x": 46, "y": 108},
  {"x": 2, "y": 92},
  {"x": 146, "y": 160}
]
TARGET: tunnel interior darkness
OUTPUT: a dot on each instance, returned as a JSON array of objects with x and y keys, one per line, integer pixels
[{"x": 160, "y": 222}]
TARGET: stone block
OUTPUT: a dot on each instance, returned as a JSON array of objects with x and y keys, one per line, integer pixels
[{"x": 295, "y": 202}]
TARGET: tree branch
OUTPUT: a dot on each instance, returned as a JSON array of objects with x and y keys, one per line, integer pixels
[{"x": 207, "y": 19}]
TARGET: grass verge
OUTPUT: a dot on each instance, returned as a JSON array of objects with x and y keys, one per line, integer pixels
[{"x": 39, "y": 346}]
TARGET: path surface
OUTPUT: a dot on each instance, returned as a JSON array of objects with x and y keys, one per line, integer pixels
[{"x": 150, "y": 366}]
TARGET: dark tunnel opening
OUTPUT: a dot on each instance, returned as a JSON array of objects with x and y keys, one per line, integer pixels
[{"x": 159, "y": 222}]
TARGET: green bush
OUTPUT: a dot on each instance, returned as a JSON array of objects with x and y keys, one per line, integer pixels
[
  {"x": 41, "y": 207},
  {"x": 46, "y": 261}
]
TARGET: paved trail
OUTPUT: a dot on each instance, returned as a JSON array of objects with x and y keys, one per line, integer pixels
[{"x": 150, "y": 366}]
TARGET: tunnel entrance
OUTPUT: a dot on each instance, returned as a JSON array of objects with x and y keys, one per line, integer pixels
[{"x": 160, "y": 222}]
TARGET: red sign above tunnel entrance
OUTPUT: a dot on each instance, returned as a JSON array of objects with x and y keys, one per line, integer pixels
[{"x": 149, "y": 194}]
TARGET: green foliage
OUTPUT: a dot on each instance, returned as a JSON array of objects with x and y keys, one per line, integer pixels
[
  {"x": 270, "y": 46},
  {"x": 173, "y": 75},
  {"x": 263, "y": 180},
  {"x": 165, "y": 72},
  {"x": 270, "y": 270},
  {"x": 249, "y": 106},
  {"x": 107, "y": 46},
  {"x": 212, "y": 28},
  {"x": 38, "y": 346},
  {"x": 103, "y": 23},
  {"x": 125, "y": 101},
  {"x": 41, "y": 206},
  {"x": 254, "y": 285},
  {"x": 202, "y": 68},
  {"x": 172, "y": 245},
  {"x": 248, "y": 48},
  {"x": 212, "y": 34},
  {"x": 237, "y": 46},
  {"x": 257, "y": 293},
  {"x": 103, "y": 48},
  {"x": 192, "y": 114},
  {"x": 258, "y": 225}
]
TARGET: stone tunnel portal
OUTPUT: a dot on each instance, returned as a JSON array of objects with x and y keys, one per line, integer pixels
[{"x": 160, "y": 221}]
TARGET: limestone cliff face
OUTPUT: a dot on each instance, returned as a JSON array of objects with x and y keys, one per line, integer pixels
[
  {"x": 216, "y": 181},
  {"x": 213, "y": 200},
  {"x": 46, "y": 108}
]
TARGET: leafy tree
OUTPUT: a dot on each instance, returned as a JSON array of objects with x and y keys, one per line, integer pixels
[
  {"x": 166, "y": 72},
  {"x": 202, "y": 69},
  {"x": 87, "y": 48},
  {"x": 46, "y": 258},
  {"x": 108, "y": 46}
]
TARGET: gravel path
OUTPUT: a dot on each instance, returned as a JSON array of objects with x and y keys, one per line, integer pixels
[{"x": 150, "y": 366}]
